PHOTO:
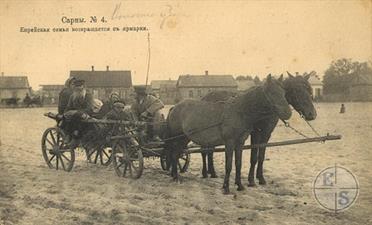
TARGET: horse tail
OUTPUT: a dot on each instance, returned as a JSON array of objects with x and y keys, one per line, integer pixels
[{"x": 167, "y": 132}]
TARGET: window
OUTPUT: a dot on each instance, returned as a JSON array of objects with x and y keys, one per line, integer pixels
[
  {"x": 191, "y": 94},
  {"x": 317, "y": 92},
  {"x": 199, "y": 93}
]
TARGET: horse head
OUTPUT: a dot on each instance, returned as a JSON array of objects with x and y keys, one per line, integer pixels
[
  {"x": 299, "y": 95},
  {"x": 275, "y": 94}
]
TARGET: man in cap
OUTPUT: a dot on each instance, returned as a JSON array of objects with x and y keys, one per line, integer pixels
[
  {"x": 146, "y": 108},
  {"x": 80, "y": 99},
  {"x": 65, "y": 94},
  {"x": 78, "y": 108}
]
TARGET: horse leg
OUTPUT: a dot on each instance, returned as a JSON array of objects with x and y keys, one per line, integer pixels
[
  {"x": 174, "y": 166},
  {"x": 261, "y": 158},
  {"x": 238, "y": 167},
  {"x": 254, "y": 151},
  {"x": 204, "y": 170},
  {"x": 265, "y": 134},
  {"x": 228, "y": 166},
  {"x": 211, "y": 165}
]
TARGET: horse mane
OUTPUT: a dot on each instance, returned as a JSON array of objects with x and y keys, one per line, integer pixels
[{"x": 249, "y": 99}]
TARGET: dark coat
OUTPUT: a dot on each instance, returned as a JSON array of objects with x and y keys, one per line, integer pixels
[
  {"x": 64, "y": 97},
  {"x": 83, "y": 105}
]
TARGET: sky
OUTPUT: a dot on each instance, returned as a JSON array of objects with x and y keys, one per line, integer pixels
[{"x": 186, "y": 37}]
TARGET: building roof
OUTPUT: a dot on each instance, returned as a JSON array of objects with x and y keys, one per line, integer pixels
[
  {"x": 118, "y": 78},
  {"x": 206, "y": 81},
  {"x": 50, "y": 87},
  {"x": 156, "y": 84},
  {"x": 245, "y": 84},
  {"x": 315, "y": 80},
  {"x": 14, "y": 82}
]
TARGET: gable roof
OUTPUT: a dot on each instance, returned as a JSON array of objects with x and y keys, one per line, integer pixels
[
  {"x": 156, "y": 84},
  {"x": 118, "y": 78},
  {"x": 206, "y": 81},
  {"x": 315, "y": 80},
  {"x": 14, "y": 82}
]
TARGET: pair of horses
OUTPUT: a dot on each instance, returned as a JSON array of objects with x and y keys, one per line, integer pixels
[{"x": 225, "y": 120}]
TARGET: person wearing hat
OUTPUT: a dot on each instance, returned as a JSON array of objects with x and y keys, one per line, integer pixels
[
  {"x": 108, "y": 105},
  {"x": 80, "y": 99},
  {"x": 78, "y": 107},
  {"x": 146, "y": 108},
  {"x": 65, "y": 94}
]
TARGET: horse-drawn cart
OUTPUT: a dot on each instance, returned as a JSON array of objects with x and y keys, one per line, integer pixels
[
  {"x": 127, "y": 148},
  {"x": 124, "y": 144}
]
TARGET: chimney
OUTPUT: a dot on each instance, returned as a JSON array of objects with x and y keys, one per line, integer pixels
[
  {"x": 107, "y": 68},
  {"x": 206, "y": 73},
  {"x": 92, "y": 68}
]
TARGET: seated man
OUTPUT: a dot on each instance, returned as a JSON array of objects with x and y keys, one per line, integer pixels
[
  {"x": 77, "y": 109},
  {"x": 65, "y": 94},
  {"x": 120, "y": 112},
  {"x": 108, "y": 105},
  {"x": 146, "y": 108}
]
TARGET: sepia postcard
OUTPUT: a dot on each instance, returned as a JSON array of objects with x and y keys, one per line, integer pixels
[{"x": 185, "y": 112}]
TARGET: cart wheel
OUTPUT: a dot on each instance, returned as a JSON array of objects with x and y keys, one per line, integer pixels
[
  {"x": 56, "y": 153},
  {"x": 127, "y": 160},
  {"x": 104, "y": 154},
  {"x": 183, "y": 162}
]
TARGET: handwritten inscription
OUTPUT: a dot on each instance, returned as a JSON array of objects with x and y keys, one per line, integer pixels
[{"x": 166, "y": 13}]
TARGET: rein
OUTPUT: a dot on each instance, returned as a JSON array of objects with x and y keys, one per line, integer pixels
[{"x": 286, "y": 123}]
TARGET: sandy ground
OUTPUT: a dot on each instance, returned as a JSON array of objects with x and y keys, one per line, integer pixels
[{"x": 31, "y": 193}]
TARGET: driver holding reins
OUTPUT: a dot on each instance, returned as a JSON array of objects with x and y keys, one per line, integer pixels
[{"x": 146, "y": 108}]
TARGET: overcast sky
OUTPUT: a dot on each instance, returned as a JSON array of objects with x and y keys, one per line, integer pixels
[{"x": 224, "y": 37}]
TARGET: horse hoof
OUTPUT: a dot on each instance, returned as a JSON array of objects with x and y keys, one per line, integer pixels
[
  {"x": 177, "y": 179},
  {"x": 214, "y": 176},
  {"x": 251, "y": 184},
  {"x": 240, "y": 188},
  {"x": 205, "y": 175},
  {"x": 226, "y": 191},
  {"x": 262, "y": 182}
]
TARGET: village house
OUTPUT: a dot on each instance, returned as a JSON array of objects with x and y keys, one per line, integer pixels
[
  {"x": 316, "y": 85},
  {"x": 196, "y": 86},
  {"x": 13, "y": 87},
  {"x": 361, "y": 88},
  {"x": 50, "y": 93},
  {"x": 166, "y": 90},
  {"x": 101, "y": 83}
]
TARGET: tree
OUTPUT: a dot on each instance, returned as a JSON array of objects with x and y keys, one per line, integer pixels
[
  {"x": 341, "y": 73},
  {"x": 257, "y": 80}
]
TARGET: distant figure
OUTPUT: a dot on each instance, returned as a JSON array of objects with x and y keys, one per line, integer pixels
[
  {"x": 27, "y": 99},
  {"x": 342, "y": 110}
]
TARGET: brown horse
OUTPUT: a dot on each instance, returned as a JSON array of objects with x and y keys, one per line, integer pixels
[
  {"x": 211, "y": 124},
  {"x": 298, "y": 94}
]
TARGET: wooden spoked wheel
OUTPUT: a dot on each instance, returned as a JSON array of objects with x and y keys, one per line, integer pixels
[
  {"x": 183, "y": 162},
  {"x": 101, "y": 154},
  {"x": 55, "y": 150},
  {"x": 127, "y": 160}
]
